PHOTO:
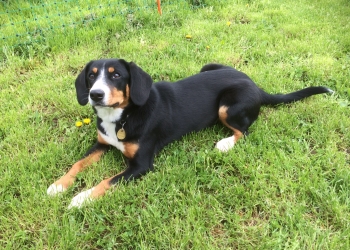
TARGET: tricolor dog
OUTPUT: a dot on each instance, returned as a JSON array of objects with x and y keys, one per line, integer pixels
[{"x": 139, "y": 118}]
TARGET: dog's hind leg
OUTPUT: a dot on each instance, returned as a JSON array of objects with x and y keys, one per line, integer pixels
[
  {"x": 227, "y": 143},
  {"x": 237, "y": 118}
]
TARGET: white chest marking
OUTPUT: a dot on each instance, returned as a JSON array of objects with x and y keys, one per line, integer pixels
[{"x": 109, "y": 117}]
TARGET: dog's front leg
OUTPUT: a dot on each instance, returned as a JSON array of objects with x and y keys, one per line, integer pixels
[
  {"x": 138, "y": 165},
  {"x": 91, "y": 156}
]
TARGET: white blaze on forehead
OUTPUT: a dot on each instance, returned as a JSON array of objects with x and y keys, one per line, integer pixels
[{"x": 101, "y": 84}]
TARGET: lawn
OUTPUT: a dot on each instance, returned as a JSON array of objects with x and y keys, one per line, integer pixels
[{"x": 285, "y": 186}]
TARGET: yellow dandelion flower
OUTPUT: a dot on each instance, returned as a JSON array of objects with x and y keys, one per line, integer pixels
[
  {"x": 208, "y": 47},
  {"x": 78, "y": 124},
  {"x": 228, "y": 23},
  {"x": 87, "y": 121},
  {"x": 188, "y": 37}
]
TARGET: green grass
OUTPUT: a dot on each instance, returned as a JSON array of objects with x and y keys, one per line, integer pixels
[{"x": 285, "y": 186}]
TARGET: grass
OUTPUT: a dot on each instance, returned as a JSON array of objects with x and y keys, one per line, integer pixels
[{"x": 285, "y": 186}]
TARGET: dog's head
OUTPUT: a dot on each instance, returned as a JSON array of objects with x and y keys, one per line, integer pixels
[{"x": 112, "y": 83}]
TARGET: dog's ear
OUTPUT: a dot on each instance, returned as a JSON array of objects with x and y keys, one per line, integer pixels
[
  {"x": 140, "y": 84},
  {"x": 81, "y": 86}
]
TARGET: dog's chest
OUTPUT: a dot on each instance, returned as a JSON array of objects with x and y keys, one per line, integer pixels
[
  {"x": 110, "y": 135},
  {"x": 108, "y": 124}
]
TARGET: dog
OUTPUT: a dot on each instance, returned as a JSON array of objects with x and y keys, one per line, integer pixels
[{"x": 139, "y": 118}]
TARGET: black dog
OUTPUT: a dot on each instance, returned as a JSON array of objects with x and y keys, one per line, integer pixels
[{"x": 140, "y": 118}]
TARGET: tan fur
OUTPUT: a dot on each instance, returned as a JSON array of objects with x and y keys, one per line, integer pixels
[
  {"x": 117, "y": 96},
  {"x": 223, "y": 117},
  {"x": 68, "y": 179},
  {"x": 101, "y": 188},
  {"x": 130, "y": 149}
]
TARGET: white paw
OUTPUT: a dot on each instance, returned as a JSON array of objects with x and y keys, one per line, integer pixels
[
  {"x": 81, "y": 198},
  {"x": 55, "y": 189},
  {"x": 226, "y": 144}
]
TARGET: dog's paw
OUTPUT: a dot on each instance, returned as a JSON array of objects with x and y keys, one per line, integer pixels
[
  {"x": 55, "y": 189},
  {"x": 81, "y": 198},
  {"x": 226, "y": 144}
]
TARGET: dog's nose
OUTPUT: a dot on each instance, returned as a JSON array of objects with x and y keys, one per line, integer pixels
[{"x": 97, "y": 95}]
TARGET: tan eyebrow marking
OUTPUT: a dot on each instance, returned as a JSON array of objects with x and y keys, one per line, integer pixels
[
  {"x": 110, "y": 69},
  {"x": 94, "y": 70}
]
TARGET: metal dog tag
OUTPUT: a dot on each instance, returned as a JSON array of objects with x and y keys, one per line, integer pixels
[{"x": 121, "y": 134}]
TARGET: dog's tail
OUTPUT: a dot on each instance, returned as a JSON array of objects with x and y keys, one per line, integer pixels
[{"x": 270, "y": 99}]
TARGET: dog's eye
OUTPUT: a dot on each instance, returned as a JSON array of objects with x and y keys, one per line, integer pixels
[
  {"x": 115, "y": 76},
  {"x": 92, "y": 77}
]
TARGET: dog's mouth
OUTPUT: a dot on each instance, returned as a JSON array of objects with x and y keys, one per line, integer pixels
[{"x": 102, "y": 105}]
